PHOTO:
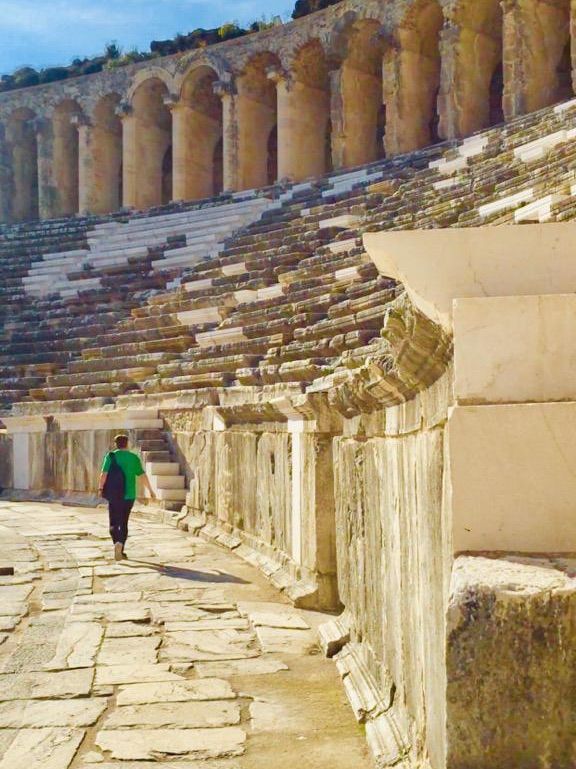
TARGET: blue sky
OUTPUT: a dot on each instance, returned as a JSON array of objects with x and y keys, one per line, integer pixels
[{"x": 41, "y": 33}]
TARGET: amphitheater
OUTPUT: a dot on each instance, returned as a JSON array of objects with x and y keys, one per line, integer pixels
[{"x": 324, "y": 276}]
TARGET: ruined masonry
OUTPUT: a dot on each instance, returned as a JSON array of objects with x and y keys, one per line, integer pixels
[{"x": 324, "y": 277}]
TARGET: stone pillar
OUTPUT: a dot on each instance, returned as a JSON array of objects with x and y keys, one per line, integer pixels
[
  {"x": 47, "y": 195},
  {"x": 469, "y": 59},
  {"x": 337, "y": 118},
  {"x": 5, "y": 177},
  {"x": 356, "y": 98},
  {"x": 303, "y": 115},
  {"x": 195, "y": 137},
  {"x": 181, "y": 114},
  {"x": 573, "y": 41},
  {"x": 129, "y": 153},
  {"x": 410, "y": 93},
  {"x": 534, "y": 35},
  {"x": 87, "y": 193},
  {"x": 226, "y": 90}
]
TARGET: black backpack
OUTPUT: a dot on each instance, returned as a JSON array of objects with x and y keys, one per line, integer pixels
[{"x": 115, "y": 486}]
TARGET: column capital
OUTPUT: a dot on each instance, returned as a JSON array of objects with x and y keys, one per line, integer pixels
[
  {"x": 124, "y": 110},
  {"x": 171, "y": 101},
  {"x": 81, "y": 121},
  {"x": 224, "y": 88},
  {"x": 42, "y": 125},
  {"x": 277, "y": 75},
  {"x": 176, "y": 105}
]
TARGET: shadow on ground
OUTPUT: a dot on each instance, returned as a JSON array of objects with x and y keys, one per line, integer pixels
[{"x": 191, "y": 574}]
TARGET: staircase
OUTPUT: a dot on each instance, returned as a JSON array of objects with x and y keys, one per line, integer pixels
[{"x": 164, "y": 473}]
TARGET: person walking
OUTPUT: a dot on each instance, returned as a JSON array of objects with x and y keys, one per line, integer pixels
[{"x": 120, "y": 470}]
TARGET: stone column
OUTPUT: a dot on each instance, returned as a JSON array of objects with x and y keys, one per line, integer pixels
[
  {"x": 469, "y": 59},
  {"x": 5, "y": 177},
  {"x": 47, "y": 195},
  {"x": 533, "y": 40},
  {"x": 87, "y": 193},
  {"x": 573, "y": 41},
  {"x": 181, "y": 113},
  {"x": 129, "y": 153},
  {"x": 337, "y": 117},
  {"x": 226, "y": 90},
  {"x": 411, "y": 82},
  {"x": 303, "y": 114}
]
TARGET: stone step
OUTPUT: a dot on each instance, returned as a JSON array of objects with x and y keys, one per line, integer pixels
[
  {"x": 173, "y": 495},
  {"x": 163, "y": 468},
  {"x": 168, "y": 482},
  {"x": 156, "y": 456}
]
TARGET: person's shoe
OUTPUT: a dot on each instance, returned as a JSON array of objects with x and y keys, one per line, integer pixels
[
  {"x": 124, "y": 556},
  {"x": 118, "y": 551}
]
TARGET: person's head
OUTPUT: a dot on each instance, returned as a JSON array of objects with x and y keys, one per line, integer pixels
[{"x": 121, "y": 441}]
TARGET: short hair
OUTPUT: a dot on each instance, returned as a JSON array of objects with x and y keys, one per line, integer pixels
[{"x": 121, "y": 441}]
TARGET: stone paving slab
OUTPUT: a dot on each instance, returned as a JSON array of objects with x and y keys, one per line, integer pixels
[
  {"x": 159, "y": 660},
  {"x": 183, "y": 691},
  {"x": 131, "y": 744},
  {"x": 175, "y": 715},
  {"x": 116, "y": 651},
  {"x": 77, "y": 646},
  {"x": 67, "y": 684},
  {"x": 42, "y": 749},
  {"x": 20, "y": 714}
]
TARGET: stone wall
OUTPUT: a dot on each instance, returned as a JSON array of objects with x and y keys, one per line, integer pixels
[
  {"x": 266, "y": 490},
  {"x": 394, "y": 564}
]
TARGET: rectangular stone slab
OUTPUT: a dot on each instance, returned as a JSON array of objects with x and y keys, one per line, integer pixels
[
  {"x": 117, "y": 651},
  {"x": 182, "y": 691},
  {"x": 151, "y": 744},
  {"x": 129, "y": 630},
  {"x": 179, "y": 715},
  {"x": 251, "y": 667},
  {"x": 112, "y": 675},
  {"x": 77, "y": 646},
  {"x": 42, "y": 749},
  {"x": 20, "y": 714}
]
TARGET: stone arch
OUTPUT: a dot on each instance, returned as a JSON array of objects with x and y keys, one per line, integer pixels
[
  {"x": 471, "y": 88},
  {"x": 198, "y": 133},
  {"x": 304, "y": 115},
  {"x": 150, "y": 74},
  {"x": 257, "y": 110},
  {"x": 104, "y": 187},
  {"x": 65, "y": 122},
  {"x": 359, "y": 94},
  {"x": 147, "y": 141},
  {"x": 23, "y": 165}
]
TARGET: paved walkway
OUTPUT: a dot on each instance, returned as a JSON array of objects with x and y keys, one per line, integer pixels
[{"x": 183, "y": 655}]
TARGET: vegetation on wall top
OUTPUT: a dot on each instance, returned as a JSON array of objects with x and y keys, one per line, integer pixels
[{"x": 113, "y": 56}]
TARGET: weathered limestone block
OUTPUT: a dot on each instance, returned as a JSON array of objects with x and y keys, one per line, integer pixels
[
  {"x": 6, "y": 460},
  {"x": 511, "y": 664}
]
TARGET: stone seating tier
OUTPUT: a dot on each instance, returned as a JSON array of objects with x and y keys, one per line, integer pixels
[{"x": 290, "y": 299}]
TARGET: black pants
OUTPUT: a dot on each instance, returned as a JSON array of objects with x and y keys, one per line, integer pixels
[{"x": 119, "y": 513}]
